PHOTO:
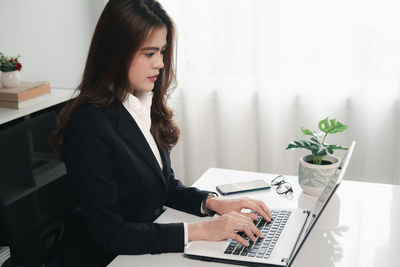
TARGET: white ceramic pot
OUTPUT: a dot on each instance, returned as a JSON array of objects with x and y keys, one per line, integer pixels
[
  {"x": 10, "y": 79},
  {"x": 313, "y": 178}
]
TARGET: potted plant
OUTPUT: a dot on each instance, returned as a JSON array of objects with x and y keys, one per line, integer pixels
[
  {"x": 315, "y": 170},
  {"x": 10, "y": 68}
]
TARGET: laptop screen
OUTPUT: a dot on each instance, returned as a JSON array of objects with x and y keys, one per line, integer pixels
[{"x": 325, "y": 196}]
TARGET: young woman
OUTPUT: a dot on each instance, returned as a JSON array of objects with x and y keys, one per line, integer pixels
[{"x": 116, "y": 135}]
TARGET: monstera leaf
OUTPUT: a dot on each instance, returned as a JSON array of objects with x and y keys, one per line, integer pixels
[{"x": 332, "y": 127}]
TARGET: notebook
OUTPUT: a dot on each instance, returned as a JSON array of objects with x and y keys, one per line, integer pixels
[{"x": 281, "y": 241}]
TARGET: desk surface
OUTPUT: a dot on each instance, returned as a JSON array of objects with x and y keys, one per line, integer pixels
[{"x": 359, "y": 227}]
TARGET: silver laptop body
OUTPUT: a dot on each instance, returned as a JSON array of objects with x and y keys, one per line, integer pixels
[{"x": 292, "y": 237}]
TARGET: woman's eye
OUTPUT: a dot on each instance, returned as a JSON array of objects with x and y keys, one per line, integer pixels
[{"x": 162, "y": 52}]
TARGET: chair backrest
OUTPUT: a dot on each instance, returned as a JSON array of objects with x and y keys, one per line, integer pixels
[{"x": 35, "y": 192}]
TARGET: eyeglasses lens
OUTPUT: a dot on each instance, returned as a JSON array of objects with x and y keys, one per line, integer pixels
[
  {"x": 278, "y": 180},
  {"x": 284, "y": 188}
]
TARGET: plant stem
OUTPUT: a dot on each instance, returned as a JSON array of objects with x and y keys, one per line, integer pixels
[
  {"x": 323, "y": 140},
  {"x": 317, "y": 160}
]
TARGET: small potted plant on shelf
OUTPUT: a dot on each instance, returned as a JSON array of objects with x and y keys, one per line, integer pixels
[
  {"x": 316, "y": 169},
  {"x": 10, "y": 68}
]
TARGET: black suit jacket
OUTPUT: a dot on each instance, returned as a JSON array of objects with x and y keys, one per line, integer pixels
[{"x": 121, "y": 185}]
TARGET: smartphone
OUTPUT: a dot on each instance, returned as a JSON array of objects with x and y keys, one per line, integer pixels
[{"x": 226, "y": 189}]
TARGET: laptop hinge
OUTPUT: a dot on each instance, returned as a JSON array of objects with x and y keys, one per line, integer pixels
[{"x": 285, "y": 260}]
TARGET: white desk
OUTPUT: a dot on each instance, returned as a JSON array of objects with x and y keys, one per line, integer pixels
[
  {"x": 359, "y": 227},
  {"x": 57, "y": 96}
]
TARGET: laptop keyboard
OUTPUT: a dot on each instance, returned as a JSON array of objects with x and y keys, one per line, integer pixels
[{"x": 262, "y": 247}]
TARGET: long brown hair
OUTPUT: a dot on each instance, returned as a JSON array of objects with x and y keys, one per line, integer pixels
[{"x": 121, "y": 30}]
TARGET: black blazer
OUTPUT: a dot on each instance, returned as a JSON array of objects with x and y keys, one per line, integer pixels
[{"x": 121, "y": 185}]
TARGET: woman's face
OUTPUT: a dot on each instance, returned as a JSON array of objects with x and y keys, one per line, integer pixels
[{"x": 148, "y": 61}]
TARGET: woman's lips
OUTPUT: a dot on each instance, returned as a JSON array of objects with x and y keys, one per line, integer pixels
[{"x": 153, "y": 78}]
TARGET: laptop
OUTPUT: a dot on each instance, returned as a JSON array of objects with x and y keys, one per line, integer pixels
[{"x": 283, "y": 237}]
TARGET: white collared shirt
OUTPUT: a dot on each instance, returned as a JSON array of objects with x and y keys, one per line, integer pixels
[{"x": 139, "y": 107}]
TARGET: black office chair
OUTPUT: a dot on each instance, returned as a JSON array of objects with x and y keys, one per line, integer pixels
[
  {"x": 48, "y": 239},
  {"x": 36, "y": 195}
]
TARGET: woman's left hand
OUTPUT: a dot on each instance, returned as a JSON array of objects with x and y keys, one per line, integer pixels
[{"x": 223, "y": 206}]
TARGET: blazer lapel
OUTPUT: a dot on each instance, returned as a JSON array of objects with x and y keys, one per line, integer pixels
[{"x": 130, "y": 131}]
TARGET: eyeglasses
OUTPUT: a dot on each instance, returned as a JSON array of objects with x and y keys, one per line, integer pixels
[{"x": 283, "y": 187}]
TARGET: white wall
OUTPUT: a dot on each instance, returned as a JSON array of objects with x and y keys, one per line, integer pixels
[{"x": 52, "y": 37}]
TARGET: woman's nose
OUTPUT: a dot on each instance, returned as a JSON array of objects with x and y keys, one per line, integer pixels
[{"x": 159, "y": 62}]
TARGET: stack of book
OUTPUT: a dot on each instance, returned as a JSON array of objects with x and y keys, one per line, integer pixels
[
  {"x": 26, "y": 94},
  {"x": 4, "y": 255}
]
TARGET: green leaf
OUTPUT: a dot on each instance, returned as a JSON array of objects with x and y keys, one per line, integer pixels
[
  {"x": 324, "y": 126},
  {"x": 294, "y": 145},
  {"x": 290, "y": 146},
  {"x": 336, "y": 147},
  {"x": 331, "y": 126},
  {"x": 315, "y": 140},
  {"x": 306, "y": 131},
  {"x": 320, "y": 151},
  {"x": 299, "y": 144},
  {"x": 338, "y": 128}
]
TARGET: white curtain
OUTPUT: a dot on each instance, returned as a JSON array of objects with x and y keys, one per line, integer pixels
[{"x": 252, "y": 73}]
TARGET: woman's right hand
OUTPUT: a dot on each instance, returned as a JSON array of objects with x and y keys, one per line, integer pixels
[{"x": 225, "y": 227}]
